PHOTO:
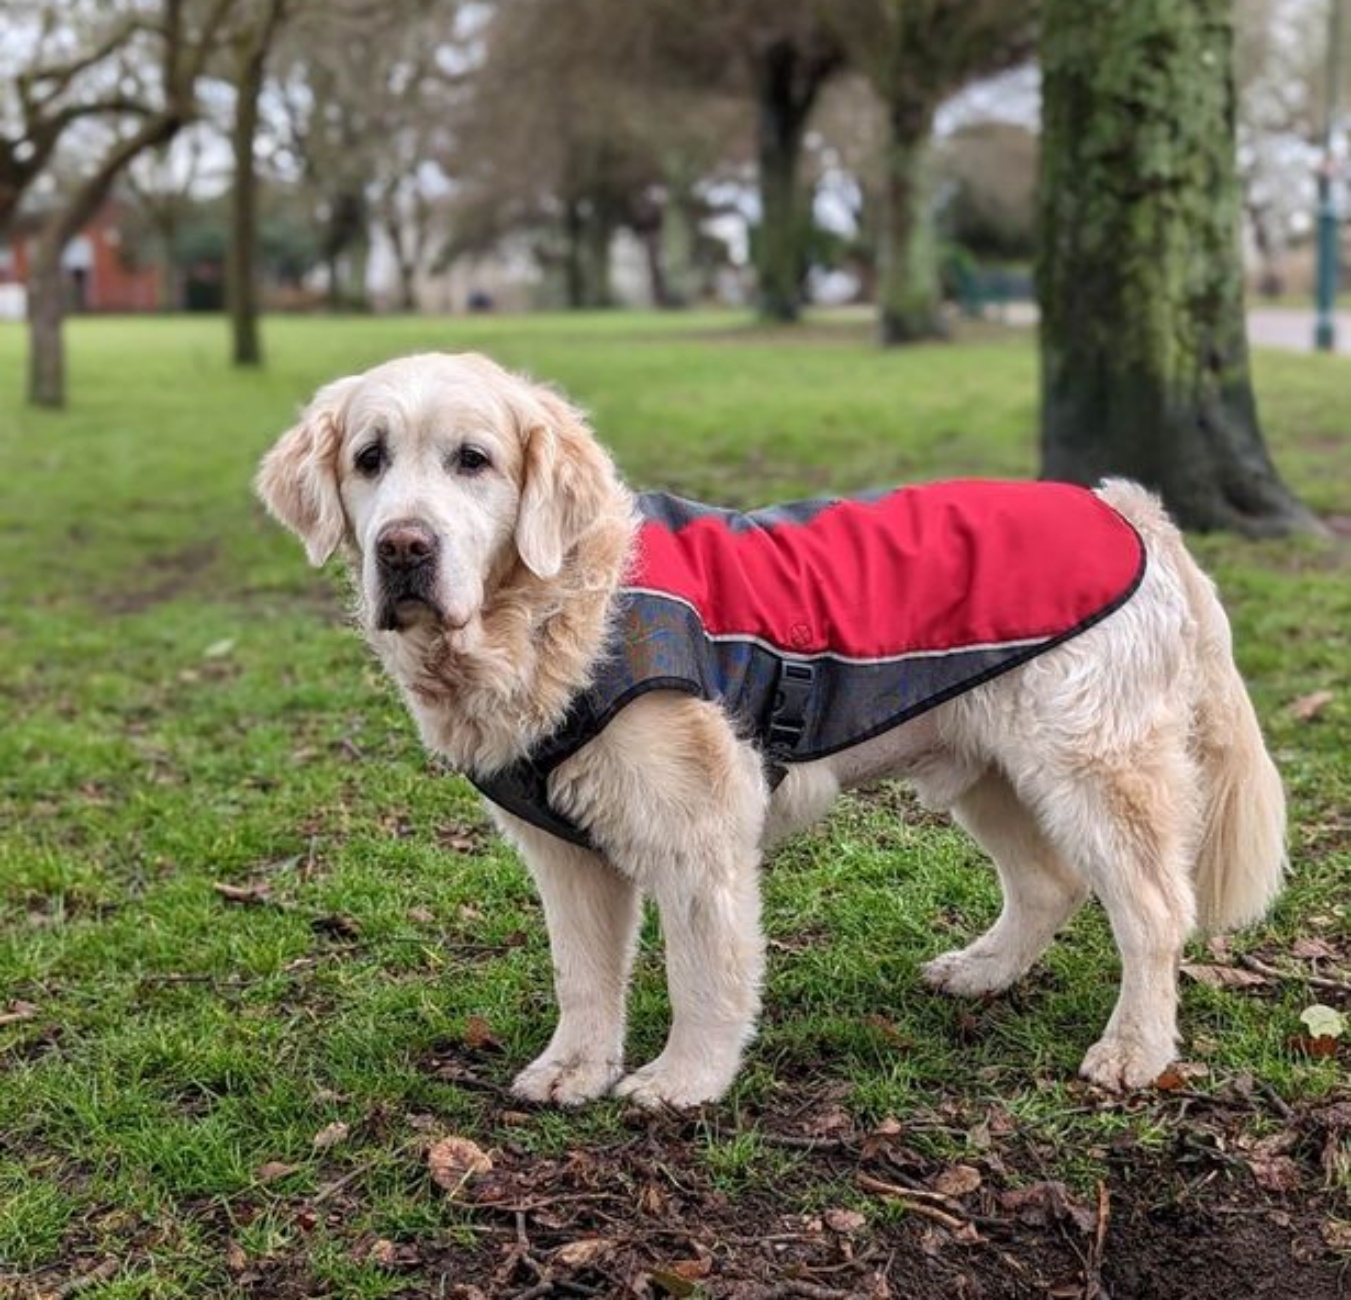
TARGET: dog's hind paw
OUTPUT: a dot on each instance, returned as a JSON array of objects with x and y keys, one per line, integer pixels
[
  {"x": 566, "y": 1081},
  {"x": 968, "y": 973},
  {"x": 1119, "y": 1064}
]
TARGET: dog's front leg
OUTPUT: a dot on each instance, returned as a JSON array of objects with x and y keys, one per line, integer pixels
[
  {"x": 592, "y": 913},
  {"x": 710, "y": 916}
]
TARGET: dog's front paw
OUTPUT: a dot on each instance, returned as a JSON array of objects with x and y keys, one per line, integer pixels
[
  {"x": 970, "y": 972},
  {"x": 566, "y": 1080},
  {"x": 1120, "y": 1064},
  {"x": 663, "y": 1083}
]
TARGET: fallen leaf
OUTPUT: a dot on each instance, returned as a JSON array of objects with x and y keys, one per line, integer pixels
[
  {"x": 1275, "y": 1173},
  {"x": 381, "y": 1252},
  {"x": 1321, "y": 1047},
  {"x": 1337, "y": 1234},
  {"x": 219, "y": 649},
  {"x": 1223, "y": 977},
  {"x": 337, "y": 926},
  {"x": 960, "y": 1180},
  {"x": 1323, "y": 1021},
  {"x": 17, "y": 1011},
  {"x": 248, "y": 895},
  {"x": 272, "y": 1170},
  {"x": 1308, "y": 707},
  {"x": 584, "y": 1252},
  {"x": 844, "y": 1221},
  {"x": 421, "y": 915},
  {"x": 833, "y": 1119},
  {"x": 479, "y": 1037},
  {"x": 330, "y": 1135},
  {"x": 1314, "y": 949},
  {"x": 693, "y": 1269},
  {"x": 235, "y": 1258},
  {"x": 1044, "y": 1203},
  {"x": 672, "y": 1283},
  {"x": 306, "y": 1219},
  {"x": 454, "y": 1161}
]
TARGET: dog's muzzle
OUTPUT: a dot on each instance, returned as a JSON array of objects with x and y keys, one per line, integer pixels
[{"x": 406, "y": 553}]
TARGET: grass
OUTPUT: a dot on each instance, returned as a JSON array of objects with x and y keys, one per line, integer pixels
[{"x": 184, "y": 708}]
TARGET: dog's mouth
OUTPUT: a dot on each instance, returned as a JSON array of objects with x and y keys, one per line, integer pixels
[{"x": 404, "y": 610}]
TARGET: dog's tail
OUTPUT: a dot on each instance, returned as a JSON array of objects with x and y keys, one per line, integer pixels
[
  {"x": 1241, "y": 861},
  {"x": 1241, "y": 856}
]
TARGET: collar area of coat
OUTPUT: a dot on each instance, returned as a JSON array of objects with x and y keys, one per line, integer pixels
[{"x": 819, "y": 624}]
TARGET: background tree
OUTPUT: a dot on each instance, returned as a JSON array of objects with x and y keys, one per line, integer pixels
[
  {"x": 154, "y": 69},
  {"x": 253, "y": 34},
  {"x": 917, "y": 53},
  {"x": 1143, "y": 348}
]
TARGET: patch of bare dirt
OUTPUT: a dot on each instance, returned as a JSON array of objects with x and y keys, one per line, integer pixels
[{"x": 164, "y": 577}]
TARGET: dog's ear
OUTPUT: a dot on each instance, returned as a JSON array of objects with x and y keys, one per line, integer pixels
[
  {"x": 566, "y": 479},
  {"x": 298, "y": 479}
]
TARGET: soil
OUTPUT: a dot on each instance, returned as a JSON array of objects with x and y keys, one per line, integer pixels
[{"x": 1218, "y": 1212}]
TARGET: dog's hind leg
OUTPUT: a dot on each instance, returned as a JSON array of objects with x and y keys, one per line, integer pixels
[
  {"x": 1131, "y": 822},
  {"x": 1041, "y": 892}
]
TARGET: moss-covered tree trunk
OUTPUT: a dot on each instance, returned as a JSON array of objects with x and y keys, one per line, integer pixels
[
  {"x": 908, "y": 296},
  {"x": 1144, "y": 354}
]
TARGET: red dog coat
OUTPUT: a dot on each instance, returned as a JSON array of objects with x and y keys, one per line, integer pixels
[{"x": 820, "y": 624}]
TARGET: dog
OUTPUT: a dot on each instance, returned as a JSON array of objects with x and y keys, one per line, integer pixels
[{"x": 491, "y": 539}]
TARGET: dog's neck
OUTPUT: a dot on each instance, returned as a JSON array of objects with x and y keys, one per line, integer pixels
[{"x": 484, "y": 696}]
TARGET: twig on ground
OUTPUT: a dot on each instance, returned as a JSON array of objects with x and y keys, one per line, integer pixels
[
  {"x": 960, "y": 1228},
  {"x": 1304, "y": 977}
]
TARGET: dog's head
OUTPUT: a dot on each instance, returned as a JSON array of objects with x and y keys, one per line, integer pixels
[{"x": 440, "y": 475}]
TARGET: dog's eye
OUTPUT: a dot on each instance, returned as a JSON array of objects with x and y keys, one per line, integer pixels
[
  {"x": 371, "y": 460},
  {"x": 470, "y": 459}
]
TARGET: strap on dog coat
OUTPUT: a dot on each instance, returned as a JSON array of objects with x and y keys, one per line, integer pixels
[{"x": 820, "y": 624}]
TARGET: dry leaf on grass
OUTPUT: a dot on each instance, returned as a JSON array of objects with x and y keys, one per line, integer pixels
[
  {"x": 1223, "y": 977},
  {"x": 1314, "y": 949},
  {"x": 245, "y": 895},
  {"x": 583, "y": 1253},
  {"x": 479, "y": 1036},
  {"x": 330, "y": 1135},
  {"x": 272, "y": 1170},
  {"x": 960, "y": 1180},
  {"x": 844, "y": 1221},
  {"x": 1308, "y": 707},
  {"x": 453, "y": 1161},
  {"x": 17, "y": 1011}
]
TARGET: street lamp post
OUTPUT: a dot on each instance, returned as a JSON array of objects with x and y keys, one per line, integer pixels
[{"x": 1325, "y": 329}]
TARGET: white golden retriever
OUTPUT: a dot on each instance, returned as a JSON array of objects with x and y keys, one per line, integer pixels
[{"x": 488, "y": 533}]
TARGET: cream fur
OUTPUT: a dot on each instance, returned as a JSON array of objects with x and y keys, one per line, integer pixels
[{"x": 1126, "y": 763}]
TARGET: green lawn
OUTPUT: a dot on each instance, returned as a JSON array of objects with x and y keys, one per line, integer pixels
[{"x": 183, "y": 708}]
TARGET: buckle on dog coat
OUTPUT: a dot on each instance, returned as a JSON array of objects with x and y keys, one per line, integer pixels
[{"x": 788, "y": 720}]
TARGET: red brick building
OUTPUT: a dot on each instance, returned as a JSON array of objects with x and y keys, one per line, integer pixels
[{"x": 102, "y": 269}]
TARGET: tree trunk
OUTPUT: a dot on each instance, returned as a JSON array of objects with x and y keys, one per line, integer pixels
[
  {"x": 908, "y": 295},
  {"x": 787, "y": 78},
  {"x": 1143, "y": 349},
  {"x": 46, "y": 312},
  {"x": 46, "y": 303},
  {"x": 241, "y": 267},
  {"x": 780, "y": 256},
  {"x": 574, "y": 279},
  {"x": 597, "y": 233}
]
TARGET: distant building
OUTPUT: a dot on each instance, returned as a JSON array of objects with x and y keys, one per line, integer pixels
[{"x": 101, "y": 265}]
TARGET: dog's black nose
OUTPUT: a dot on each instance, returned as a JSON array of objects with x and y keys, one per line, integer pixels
[{"x": 405, "y": 545}]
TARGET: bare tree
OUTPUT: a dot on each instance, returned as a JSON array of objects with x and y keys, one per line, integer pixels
[
  {"x": 159, "y": 52},
  {"x": 253, "y": 33}
]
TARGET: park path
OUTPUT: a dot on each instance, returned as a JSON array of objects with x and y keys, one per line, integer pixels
[{"x": 1291, "y": 328}]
